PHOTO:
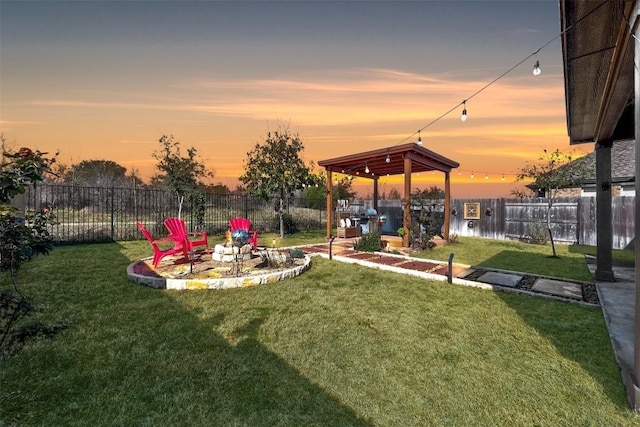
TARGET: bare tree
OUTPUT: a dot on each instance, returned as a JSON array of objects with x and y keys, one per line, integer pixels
[{"x": 552, "y": 172}]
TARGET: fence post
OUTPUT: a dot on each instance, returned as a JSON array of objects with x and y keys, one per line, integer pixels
[{"x": 113, "y": 217}]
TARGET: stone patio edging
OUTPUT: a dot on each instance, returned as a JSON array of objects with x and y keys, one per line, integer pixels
[
  {"x": 215, "y": 283},
  {"x": 455, "y": 280}
]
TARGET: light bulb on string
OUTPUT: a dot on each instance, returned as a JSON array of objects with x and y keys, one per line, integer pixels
[
  {"x": 486, "y": 176},
  {"x": 503, "y": 177},
  {"x": 463, "y": 117},
  {"x": 419, "y": 139},
  {"x": 472, "y": 175},
  {"x": 536, "y": 68},
  {"x": 366, "y": 168},
  {"x": 388, "y": 159}
]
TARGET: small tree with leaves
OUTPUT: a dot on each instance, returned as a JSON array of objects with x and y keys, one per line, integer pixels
[
  {"x": 20, "y": 240},
  {"x": 315, "y": 194},
  {"x": 553, "y": 172},
  {"x": 426, "y": 225},
  {"x": 182, "y": 174},
  {"x": 275, "y": 168}
]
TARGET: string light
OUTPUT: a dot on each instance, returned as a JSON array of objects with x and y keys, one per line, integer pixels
[
  {"x": 536, "y": 69},
  {"x": 486, "y": 176},
  {"x": 366, "y": 168},
  {"x": 536, "y": 72},
  {"x": 388, "y": 159}
]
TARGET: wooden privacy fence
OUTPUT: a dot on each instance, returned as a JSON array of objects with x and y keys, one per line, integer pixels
[{"x": 573, "y": 220}]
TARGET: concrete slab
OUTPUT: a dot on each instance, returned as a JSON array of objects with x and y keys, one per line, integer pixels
[
  {"x": 502, "y": 279},
  {"x": 624, "y": 274},
  {"x": 556, "y": 287},
  {"x": 617, "y": 300},
  {"x": 465, "y": 273}
]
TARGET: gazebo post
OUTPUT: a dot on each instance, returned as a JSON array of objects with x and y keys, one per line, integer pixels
[
  {"x": 447, "y": 205},
  {"x": 375, "y": 193},
  {"x": 406, "y": 203},
  {"x": 329, "y": 204}
]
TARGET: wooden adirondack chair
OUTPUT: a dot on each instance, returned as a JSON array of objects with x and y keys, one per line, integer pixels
[
  {"x": 245, "y": 224},
  {"x": 158, "y": 253},
  {"x": 178, "y": 231}
]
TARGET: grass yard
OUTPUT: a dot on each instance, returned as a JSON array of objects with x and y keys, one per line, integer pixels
[
  {"x": 339, "y": 345},
  {"x": 519, "y": 256},
  {"x": 301, "y": 238}
]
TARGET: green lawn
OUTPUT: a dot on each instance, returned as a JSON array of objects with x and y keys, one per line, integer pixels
[
  {"x": 516, "y": 256},
  {"x": 302, "y": 238},
  {"x": 339, "y": 345}
]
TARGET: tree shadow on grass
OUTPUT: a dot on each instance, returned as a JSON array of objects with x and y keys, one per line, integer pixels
[
  {"x": 137, "y": 356},
  {"x": 534, "y": 263},
  {"x": 577, "y": 332}
]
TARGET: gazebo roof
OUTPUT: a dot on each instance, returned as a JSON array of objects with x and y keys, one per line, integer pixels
[{"x": 422, "y": 160}]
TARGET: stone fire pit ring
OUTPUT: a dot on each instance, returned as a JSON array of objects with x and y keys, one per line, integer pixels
[{"x": 140, "y": 272}]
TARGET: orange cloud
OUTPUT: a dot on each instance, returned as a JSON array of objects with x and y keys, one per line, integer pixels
[{"x": 336, "y": 113}]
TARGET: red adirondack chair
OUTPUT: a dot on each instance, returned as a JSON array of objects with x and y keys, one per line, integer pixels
[
  {"x": 158, "y": 253},
  {"x": 178, "y": 231},
  {"x": 245, "y": 224}
]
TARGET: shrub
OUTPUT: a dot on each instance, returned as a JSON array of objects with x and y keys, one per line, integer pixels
[
  {"x": 289, "y": 224},
  {"x": 296, "y": 253},
  {"x": 538, "y": 233},
  {"x": 20, "y": 240},
  {"x": 368, "y": 242}
]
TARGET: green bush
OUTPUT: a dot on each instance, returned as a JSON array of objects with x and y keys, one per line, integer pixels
[
  {"x": 538, "y": 233},
  {"x": 289, "y": 223},
  {"x": 368, "y": 243},
  {"x": 296, "y": 253}
]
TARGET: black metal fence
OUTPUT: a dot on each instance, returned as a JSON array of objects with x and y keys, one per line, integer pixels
[{"x": 97, "y": 214}]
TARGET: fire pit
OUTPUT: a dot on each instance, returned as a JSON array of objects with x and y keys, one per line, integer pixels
[{"x": 223, "y": 253}]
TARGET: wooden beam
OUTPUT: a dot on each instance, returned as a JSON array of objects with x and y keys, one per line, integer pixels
[
  {"x": 447, "y": 205},
  {"x": 329, "y": 204},
  {"x": 622, "y": 41},
  {"x": 406, "y": 221},
  {"x": 375, "y": 193}
]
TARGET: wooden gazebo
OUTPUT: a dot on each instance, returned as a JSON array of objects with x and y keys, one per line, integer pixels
[{"x": 400, "y": 159}]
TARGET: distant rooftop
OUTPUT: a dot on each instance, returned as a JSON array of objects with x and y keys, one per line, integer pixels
[{"x": 623, "y": 162}]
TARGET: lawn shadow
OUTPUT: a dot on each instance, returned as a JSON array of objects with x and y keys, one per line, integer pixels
[
  {"x": 577, "y": 332},
  {"x": 151, "y": 360},
  {"x": 542, "y": 264}
]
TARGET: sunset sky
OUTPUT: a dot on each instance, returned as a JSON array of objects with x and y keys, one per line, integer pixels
[{"x": 106, "y": 79}]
